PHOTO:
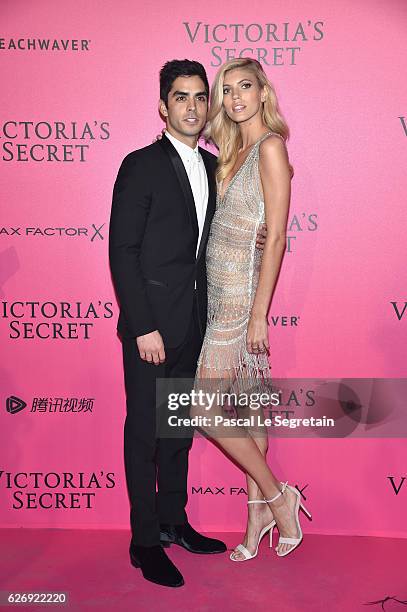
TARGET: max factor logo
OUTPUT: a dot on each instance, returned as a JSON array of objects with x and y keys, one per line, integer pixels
[
  {"x": 216, "y": 491},
  {"x": 396, "y": 487},
  {"x": 404, "y": 125},
  {"x": 301, "y": 491},
  {"x": 233, "y": 491},
  {"x": 398, "y": 310},
  {"x": 14, "y": 404},
  {"x": 93, "y": 232}
]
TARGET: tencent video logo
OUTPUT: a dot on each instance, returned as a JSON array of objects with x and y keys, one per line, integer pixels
[
  {"x": 77, "y": 405},
  {"x": 14, "y": 404}
]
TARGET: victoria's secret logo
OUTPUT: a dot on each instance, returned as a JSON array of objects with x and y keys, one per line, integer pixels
[
  {"x": 399, "y": 309},
  {"x": 396, "y": 486},
  {"x": 54, "y": 141},
  {"x": 74, "y": 319},
  {"x": 55, "y": 490},
  {"x": 300, "y": 223},
  {"x": 404, "y": 125},
  {"x": 269, "y": 43}
]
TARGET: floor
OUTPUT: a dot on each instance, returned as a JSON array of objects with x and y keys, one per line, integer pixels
[{"x": 335, "y": 573}]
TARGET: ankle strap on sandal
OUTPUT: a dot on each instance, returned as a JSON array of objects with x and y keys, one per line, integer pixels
[
  {"x": 269, "y": 501},
  {"x": 256, "y": 501}
]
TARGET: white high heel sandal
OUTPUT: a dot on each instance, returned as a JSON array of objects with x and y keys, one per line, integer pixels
[
  {"x": 298, "y": 504},
  {"x": 242, "y": 549}
]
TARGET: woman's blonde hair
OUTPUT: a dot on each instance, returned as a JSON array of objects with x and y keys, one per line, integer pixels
[{"x": 223, "y": 131}]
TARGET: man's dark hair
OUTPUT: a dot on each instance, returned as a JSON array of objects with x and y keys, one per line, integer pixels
[{"x": 176, "y": 68}]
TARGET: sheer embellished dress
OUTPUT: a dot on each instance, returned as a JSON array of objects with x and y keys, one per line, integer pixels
[{"x": 233, "y": 266}]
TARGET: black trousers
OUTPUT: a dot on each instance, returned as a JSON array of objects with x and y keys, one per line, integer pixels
[{"x": 156, "y": 469}]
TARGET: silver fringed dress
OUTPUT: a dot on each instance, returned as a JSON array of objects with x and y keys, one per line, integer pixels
[{"x": 233, "y": 266}]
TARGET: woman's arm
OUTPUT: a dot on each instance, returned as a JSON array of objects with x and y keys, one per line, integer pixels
[{"x": 276, "y": 181}]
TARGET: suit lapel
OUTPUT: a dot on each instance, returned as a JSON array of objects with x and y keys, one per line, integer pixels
[
  {"x": 182, "y": 176},
  {"x": 210, "y": 209}
]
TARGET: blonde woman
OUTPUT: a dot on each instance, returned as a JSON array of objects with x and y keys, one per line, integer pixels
[{"x": 253, "y": 180}]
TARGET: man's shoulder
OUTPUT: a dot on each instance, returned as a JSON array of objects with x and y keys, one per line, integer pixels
[
  {"x": 144, "y": 154},
  {"x": 208, "y": 155}
]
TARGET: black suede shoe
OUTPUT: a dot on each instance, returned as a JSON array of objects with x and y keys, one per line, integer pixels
[
  {"x": 185, "y": 536},
  {"x": 155, "y": 565}
]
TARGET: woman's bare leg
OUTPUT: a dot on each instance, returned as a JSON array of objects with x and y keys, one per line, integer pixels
[
  {"x": 244, "y": 450},
  {"x": 259, "y": 515}
]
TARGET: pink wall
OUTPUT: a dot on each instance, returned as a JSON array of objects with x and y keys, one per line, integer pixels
[{"x": 342, "y": 94}]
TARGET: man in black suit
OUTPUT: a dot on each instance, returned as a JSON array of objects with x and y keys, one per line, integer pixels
[{"x": 163, "y": 203}]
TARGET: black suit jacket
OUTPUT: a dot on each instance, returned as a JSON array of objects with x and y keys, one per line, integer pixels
[{"x": 152, "y": 243}]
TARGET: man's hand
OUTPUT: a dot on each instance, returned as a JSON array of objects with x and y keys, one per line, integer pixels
[
  {"x": 151, "y": 347},
  {"x": 261, "y": 236}
]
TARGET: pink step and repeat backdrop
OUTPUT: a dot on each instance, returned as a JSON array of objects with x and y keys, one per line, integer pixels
[{"x": 79, "y": 91}]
